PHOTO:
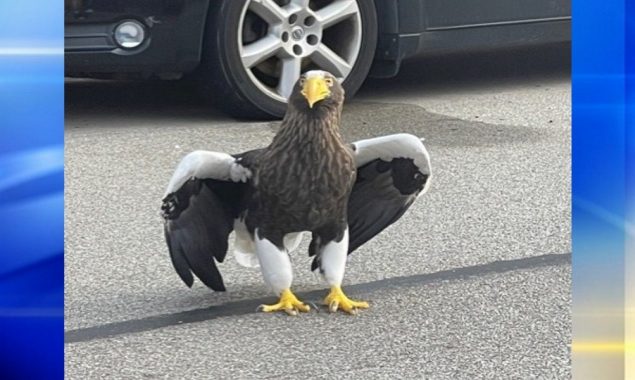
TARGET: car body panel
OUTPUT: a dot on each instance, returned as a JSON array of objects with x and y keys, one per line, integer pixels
[
  {"x": 441, "y": 14},
  {"x": 413, "y": 27}
]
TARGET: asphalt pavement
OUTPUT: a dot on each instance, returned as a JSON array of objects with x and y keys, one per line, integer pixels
[{"x": 473, "y": 282}]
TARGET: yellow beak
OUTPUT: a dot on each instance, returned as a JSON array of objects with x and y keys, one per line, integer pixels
[{"x": 314, "y": 90}]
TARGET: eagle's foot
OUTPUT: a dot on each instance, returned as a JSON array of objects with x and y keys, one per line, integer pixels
[
  {"x": 336, "y": 299},
  {"x": 288, "y": 303}
]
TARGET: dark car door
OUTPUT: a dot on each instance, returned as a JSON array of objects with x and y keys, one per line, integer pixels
[{"x": 442, "y": 14}]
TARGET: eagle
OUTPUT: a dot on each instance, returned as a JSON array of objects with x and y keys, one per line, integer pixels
[{"x": 308, "y": 180}]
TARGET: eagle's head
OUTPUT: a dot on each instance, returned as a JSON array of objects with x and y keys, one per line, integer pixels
[{"x": 315, "y": 91}]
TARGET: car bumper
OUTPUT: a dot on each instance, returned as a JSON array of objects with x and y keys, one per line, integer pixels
[{"x": 173, "y": 41}]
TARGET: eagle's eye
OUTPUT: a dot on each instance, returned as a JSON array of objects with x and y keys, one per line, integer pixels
[
  {"x": 302, "y": 80},
  {"x": 329, "y": 81}
]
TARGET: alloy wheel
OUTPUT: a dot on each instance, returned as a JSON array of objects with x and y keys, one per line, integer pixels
[{"x": 280, "y": 39}]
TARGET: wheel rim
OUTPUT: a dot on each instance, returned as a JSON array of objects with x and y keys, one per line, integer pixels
[{"x": 280, "y": 39}]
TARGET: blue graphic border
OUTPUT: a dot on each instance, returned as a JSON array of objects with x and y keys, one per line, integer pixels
[
  {"x": 603, "y": 189},
  {"x": 31, "y": 190}
]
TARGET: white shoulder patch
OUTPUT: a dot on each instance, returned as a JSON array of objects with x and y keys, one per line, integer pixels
[
  {"x": 401, "y": 145},
  {"x": 203, "y": 164},
  {"x": 239, "y": 173}
]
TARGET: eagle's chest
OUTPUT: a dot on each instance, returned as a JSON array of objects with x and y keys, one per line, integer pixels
[
  {"x": 311, "y": 184},
  {"x": 330, "y": 178}
]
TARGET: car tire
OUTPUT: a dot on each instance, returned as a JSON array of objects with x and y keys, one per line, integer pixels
[{"x": 226, "y": 80}]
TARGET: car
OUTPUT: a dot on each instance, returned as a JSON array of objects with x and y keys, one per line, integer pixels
[{"x": 247, "y": 54}]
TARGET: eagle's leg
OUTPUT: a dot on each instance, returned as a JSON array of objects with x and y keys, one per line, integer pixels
[
  {"x": 276, "y": 270},
  {"x": 332, "y": 265}
]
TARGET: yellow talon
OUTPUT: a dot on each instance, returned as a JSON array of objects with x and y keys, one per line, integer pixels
[
  {"x": 288, "y": 303},
  {"x": 336, "y": 299}
]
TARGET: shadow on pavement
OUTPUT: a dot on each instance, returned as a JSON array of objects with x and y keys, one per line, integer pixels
[
  {"x": 443, "y": 73},
  {"x": 474, "y": 69}
]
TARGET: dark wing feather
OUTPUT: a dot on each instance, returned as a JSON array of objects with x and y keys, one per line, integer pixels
[
  {"x": 179, "y": 261},
  {"x": 199, "y": 226},
  {"x": 382, "y": 193},
  {"x": 199, "y": 216}
]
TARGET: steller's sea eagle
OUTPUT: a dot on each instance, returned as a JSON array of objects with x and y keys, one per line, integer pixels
[{"x": 307, "y": 180}]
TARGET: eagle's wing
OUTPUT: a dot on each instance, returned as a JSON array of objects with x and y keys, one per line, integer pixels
[
  {"x": 207, "y": 192},
  {"x": 392, "y": 171}
]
